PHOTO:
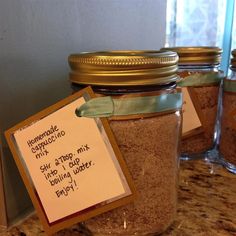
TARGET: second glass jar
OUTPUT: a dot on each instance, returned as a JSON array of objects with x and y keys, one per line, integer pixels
[
  {"x": 201, "y": 77},
  {"x": 228, "y": 128}
]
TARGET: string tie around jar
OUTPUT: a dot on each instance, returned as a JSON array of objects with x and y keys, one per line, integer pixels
[
  {"x": 201, "y": 79},
  {"x": 230, "y": 85},
  {"x": 108, "y": 106}
]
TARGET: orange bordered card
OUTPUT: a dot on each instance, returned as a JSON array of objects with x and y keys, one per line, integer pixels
[{"x": 71, "y": 166}]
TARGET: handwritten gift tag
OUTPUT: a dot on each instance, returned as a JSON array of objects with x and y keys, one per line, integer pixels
[
  {"x": 71, "y": 166},
  {"x": 191, "y": 119}
]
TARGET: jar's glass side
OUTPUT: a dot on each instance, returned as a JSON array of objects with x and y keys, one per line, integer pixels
[
  {"x": 207, "y": 100},
  {"x": 150, "y": 149},
  {"x": 228, "y": 131}
]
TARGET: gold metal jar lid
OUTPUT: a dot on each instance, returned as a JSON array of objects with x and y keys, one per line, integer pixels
[
  {"x": 197, "y": 55},
  {"x": 123, "y": 68},
  {"x": 233, "y": 59}
]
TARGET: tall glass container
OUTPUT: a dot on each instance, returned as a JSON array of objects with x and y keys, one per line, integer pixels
[
  {"x": 200, "y": 81},
  {"x": 228, "y": 125},
  {"x": 147, "y": 132}
]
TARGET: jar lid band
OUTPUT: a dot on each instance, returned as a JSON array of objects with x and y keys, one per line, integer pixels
[
  {"x": 108, "y": 106},
  {"x": 233, "y": 59},
  {"x": 124, "y": 68},
  {"x": 201, "y": 79},
  {"x": 197, "y": 55}
]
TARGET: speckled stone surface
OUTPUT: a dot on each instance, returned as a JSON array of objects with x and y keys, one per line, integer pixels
[{"x": 207, "y": 205}]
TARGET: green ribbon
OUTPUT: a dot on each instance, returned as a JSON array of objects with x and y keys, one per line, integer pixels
[
  {"x": 107, "y": 106},
  {"x": 201, "y": 79},
  {"x": 229, "y": 85}
]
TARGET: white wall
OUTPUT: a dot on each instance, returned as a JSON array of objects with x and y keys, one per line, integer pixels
[{"x": 36, "y": 36}]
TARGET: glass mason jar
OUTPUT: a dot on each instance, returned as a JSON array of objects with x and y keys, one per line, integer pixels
[
  {"x": 200, "y": 81},
  {"x": 148, "y": 139},
  {"x": 228, "y": 121}
]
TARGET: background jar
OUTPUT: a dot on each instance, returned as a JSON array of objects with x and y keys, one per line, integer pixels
[
  {"x": 228, "y": 124},
  {"x": 200, "y": 74},
  {"x": 148, "y": 142}
]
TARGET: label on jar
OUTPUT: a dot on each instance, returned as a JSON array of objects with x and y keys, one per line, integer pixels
[
  {"x": 191, "y": 119},
  {"x": 72, "y": 166}
]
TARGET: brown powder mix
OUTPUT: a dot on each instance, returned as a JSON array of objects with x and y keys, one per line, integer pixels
[
  {"x": 150, "y": 149},
  {"x": 207, "y": 98},
  {"x": 228, "y": 128}
]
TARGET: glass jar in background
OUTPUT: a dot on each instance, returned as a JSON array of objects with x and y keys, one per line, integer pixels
[
  {"x": 228, "y": 122},
  {"x": 146, "y": 125},
  {"x": 200, "y": 82}
]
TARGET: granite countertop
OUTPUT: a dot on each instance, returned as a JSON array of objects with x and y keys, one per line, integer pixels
[{"x": 207, "y": 205}]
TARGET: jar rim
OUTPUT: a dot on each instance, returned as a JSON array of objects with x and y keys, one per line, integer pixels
[{"x": 123, "y": 68}]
